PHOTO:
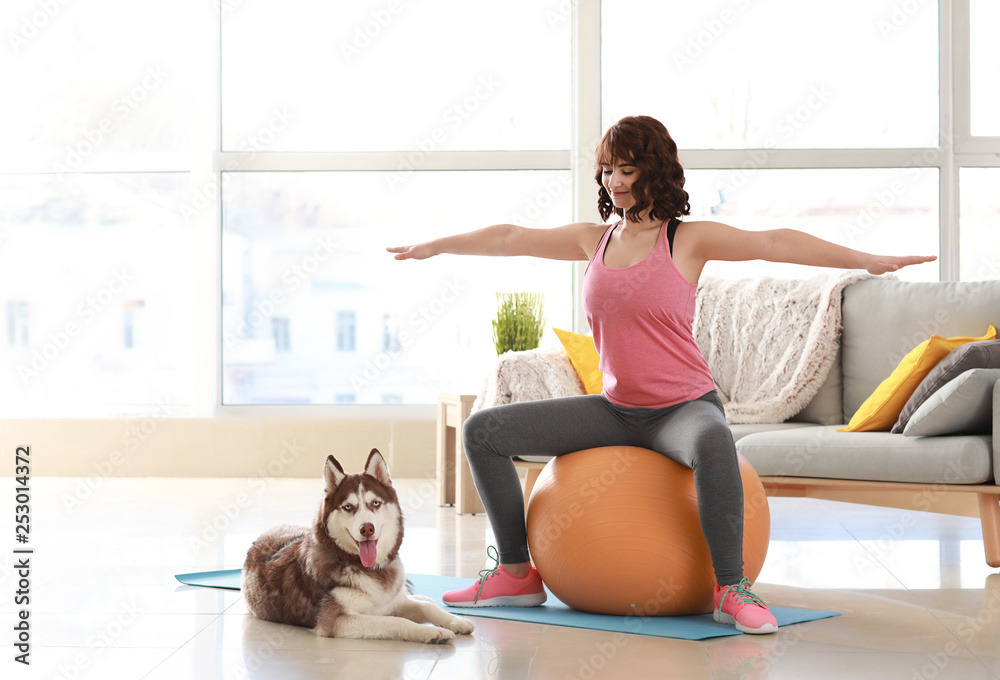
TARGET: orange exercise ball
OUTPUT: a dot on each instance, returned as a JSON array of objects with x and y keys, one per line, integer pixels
[{"x": 615, "y": 530}]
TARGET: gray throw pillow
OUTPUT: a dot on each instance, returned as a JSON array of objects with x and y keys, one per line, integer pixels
[
  {"x": 963, "y": 406},
  {"x": 982, "y": 354}
]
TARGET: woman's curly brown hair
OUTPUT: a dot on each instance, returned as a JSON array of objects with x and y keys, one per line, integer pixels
[{"x": 645, "y": 143}]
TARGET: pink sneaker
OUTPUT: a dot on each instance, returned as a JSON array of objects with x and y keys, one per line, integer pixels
[
  {"x": 736, "y": 604},
  {"x": 497, "y": 588}
]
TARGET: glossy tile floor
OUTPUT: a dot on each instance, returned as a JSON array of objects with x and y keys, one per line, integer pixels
[{"x": 917, "y": 598}]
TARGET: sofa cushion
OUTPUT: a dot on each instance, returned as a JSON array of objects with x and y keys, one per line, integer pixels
[
  {"x": 882, "y": 408},
  {"x": 741, "y": 430},
  {"x": 583, "y": 355},
  {"x": 874, "y": 456},
  {"x": 884, "y": 319},
  {"x": 983, "y": 354},
  {"x": 964, "y": 405},
  {"x": 827, "y": 407}
]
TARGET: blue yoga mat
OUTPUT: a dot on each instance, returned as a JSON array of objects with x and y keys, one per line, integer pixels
[{"x": 553, "y": 612}]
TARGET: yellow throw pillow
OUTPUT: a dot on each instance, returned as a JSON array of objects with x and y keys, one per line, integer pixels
[
  {"x": 881, "y": 410},
  {"x": 583, "y": 356}
]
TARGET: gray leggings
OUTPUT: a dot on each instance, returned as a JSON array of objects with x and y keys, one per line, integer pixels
[{"x": 693, "y": 433}]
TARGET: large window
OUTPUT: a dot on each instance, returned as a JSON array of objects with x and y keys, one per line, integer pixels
[
  {"x": 980, "y": 212},
  {"x": 874, "y": 210},
  {"x": 310, "y": 248},
  {"x": 195, "y": 196},
  {"x": 372, "y": 75},
  {"x": 779, "y": 74},
  {"x": 92, "y": 267},
  {"x": 88, "y": 79},
  {"x": 389, "y": 91},
  {"x": 985, "y": 67}
]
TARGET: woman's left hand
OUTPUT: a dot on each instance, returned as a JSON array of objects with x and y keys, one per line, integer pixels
[{"x": 883, "y": 265}]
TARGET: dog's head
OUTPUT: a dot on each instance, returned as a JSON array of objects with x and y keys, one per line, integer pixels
[{"x": 360, "y": 513}]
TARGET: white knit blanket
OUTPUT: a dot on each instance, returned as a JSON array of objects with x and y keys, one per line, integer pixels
[
  {"x": 526, "y": 376},
  {"x": 770, "y": 342}
]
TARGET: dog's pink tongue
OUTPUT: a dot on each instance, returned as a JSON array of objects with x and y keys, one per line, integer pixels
[{"x": 367, "y": 550}]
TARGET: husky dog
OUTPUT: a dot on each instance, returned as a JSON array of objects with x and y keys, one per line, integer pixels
[{"x": 343, "y": 576}]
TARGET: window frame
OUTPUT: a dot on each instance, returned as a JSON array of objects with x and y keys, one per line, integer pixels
[{"x": 207, "y": 163}]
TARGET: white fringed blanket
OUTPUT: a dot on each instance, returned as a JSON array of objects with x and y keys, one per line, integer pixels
[
  {"x": 540, "y": 373},
  {"x": 770, "y": 342}
]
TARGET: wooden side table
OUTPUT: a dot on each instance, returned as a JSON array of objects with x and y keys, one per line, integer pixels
[{"x": 455, "y": 485}]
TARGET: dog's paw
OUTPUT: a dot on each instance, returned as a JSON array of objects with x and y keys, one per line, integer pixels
[
  {"x": 457, "y": 624},
  {"x": 437, "y": 636}
]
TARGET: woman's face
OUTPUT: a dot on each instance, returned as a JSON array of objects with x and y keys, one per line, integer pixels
[{"x": 617, "y": 179}]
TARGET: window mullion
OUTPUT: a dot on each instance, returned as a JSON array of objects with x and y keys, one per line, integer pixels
[
  {"x": 586, "y": 126},
  {"x": 953, "y": 59},
  {"x": 956, "y": 71},
  {"x": 206, "y": 197}
]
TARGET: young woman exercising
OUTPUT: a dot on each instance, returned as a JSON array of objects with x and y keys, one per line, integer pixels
[{"x": 639, "y": 297}]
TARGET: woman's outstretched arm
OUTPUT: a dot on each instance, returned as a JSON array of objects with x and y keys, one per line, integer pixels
[
  {"x": 569, "y": 242},
  {"x": 715, "y": 241}
]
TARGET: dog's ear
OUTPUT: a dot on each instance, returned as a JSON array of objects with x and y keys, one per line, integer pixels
[
  {"x": 377, "y": 467},
  {"x": 333, "y": 474}
]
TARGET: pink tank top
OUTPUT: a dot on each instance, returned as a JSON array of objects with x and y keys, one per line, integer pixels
[{"x": 641, "y": 317}]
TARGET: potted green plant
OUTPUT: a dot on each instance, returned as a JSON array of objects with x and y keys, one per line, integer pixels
[{"x": 520, "y": 321}]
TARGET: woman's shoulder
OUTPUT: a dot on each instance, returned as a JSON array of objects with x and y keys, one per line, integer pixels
[
  {"x": 699, "y": 224},
  {"x": 693, "y": 229},
  {"x": 591, "y": 235}
]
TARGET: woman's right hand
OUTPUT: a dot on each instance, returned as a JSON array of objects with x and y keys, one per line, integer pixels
[{"x": 418, "y": 252}]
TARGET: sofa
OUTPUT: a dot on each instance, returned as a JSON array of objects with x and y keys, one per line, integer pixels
[{"x": 806, "y": 455}]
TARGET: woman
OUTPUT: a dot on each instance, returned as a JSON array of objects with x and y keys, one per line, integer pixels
[{"x": 639, "y": 297}]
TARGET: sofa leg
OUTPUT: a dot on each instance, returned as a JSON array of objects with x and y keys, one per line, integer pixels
[
  {"x": 989, "y": 515},
  {"x": 530, "y": 477}
]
